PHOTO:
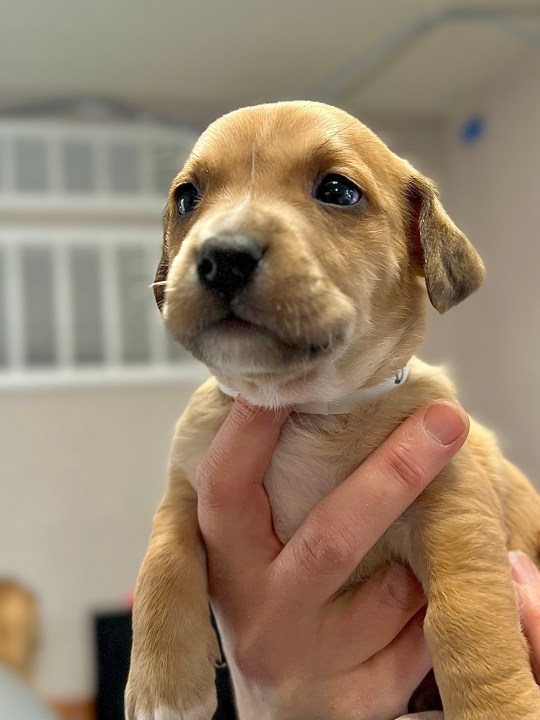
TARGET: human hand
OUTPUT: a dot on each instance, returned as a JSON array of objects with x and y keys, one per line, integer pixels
[
  {"x": 297, "y": 647},
  {"x": 527, "y": 585}
]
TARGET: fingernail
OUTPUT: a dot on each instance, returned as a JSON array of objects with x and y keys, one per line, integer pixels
[
  {"x": 524, "y": 571},
  {"x": 444, "y": 423}
]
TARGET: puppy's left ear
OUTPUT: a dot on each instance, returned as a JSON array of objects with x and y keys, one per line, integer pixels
[
  {"x": 163, "y": 268},
  {"x": 449, "y": 263}
]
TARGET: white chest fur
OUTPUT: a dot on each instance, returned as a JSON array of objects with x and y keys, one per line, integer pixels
[
  {"x": 314, "y": 455},
  {"x": 304, "y": 470}
]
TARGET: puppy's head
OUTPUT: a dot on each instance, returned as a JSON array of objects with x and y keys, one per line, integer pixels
[{"x": 293, "y": 243}]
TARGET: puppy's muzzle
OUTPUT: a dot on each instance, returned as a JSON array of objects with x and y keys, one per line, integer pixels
[{"x": 227, "y": 264}]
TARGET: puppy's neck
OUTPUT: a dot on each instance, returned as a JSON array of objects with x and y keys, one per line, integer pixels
[{"x": 347, "y": 403}]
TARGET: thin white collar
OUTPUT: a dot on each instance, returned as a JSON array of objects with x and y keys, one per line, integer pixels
[{"x": 347, "y": 404}]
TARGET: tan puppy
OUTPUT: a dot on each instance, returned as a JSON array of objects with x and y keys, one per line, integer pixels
[{"x": 293, "y": 246}]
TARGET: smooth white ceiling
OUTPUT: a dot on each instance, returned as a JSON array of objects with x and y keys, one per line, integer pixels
[
  {"x": 453, "y": 59},
  {"x": 200, "y": 58}
]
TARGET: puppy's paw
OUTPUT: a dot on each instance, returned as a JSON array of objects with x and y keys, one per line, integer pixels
[
  {"x": 173, "y": 687},
  {"x": 165, "y": 713}
]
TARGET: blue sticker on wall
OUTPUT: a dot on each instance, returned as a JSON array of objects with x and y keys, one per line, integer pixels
[{"x": 471, "y": 130}]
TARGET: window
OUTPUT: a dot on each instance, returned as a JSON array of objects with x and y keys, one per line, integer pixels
[{"x": 80, "y": 237}]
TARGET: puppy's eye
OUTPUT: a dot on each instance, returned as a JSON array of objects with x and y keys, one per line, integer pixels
[
  {"x": 335, "y": 189},
  {"x": 187, "y": 198}
]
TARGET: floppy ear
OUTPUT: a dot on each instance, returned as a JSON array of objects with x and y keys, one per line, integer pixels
[
  {"x": 451, "y": 266},
  {"x": 163, "y": 267}
]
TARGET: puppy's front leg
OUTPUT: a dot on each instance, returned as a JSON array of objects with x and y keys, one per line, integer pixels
[
  {"x": 174, "y": 646},
  {"x": 472, "y": 625}
]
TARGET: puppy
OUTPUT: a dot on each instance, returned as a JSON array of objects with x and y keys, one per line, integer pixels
[{"x": 294, "y": 245}]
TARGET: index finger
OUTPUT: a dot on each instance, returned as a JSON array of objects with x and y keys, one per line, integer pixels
[
  {"x": 338, "y": 533},
  {"x": 234, "y": 512}
]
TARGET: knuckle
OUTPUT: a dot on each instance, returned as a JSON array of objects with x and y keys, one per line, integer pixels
[
  {"x": 245, "y": 657},
  {"x": 401, "y": 590},
  {"x": 405, "y": 469},
  {"x": 532, "y": 610},
  {"x": 321, "y": 547},
  {"x": 251, "y": 657},
  {"x": 211, "y": 490}
]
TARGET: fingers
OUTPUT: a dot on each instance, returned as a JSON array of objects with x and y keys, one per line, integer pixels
[
  {"x": 407, "y": 658},
  {"x": 338, "y": 533},
  {"x": 527, "y": 583},
  {"x": 234, "y": 513},
  {"x": 390, "y": 599},
  {"x": 403, "y": 665}
]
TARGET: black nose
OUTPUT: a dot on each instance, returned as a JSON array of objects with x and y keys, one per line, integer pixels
[{"x": 226, "y": 265}]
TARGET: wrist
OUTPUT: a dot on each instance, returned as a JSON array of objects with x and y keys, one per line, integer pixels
[
  {"x": 294, "y": 698},
  {"x": 263, "y": 701}
]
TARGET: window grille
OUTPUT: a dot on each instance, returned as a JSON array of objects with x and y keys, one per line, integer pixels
[
  {"x": 49, "y": 165},
  {"x": 75, "y": 302}
]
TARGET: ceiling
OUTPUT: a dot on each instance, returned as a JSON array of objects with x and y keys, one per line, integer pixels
[{"x": 194, "y": 60}]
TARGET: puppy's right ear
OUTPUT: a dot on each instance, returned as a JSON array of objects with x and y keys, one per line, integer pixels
[{"x": 163, "y": 268}]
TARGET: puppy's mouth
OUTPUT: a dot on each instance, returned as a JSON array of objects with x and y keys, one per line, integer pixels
[
  {"x": 233, "y": 323},
  {"x": 234, "y": 326},
  {"x": 233, "y": 341}
]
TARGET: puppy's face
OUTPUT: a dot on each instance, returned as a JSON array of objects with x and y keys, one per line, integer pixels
[{"x": 293, "y": 243}]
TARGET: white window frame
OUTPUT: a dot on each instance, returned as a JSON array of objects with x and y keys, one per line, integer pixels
[
  {"x": 106, "y": 222},
  {"x": 146, "y": 137}
]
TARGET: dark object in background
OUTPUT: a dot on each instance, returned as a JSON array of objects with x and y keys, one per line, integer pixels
[
  {"x": 426, "y": 696},
  {"x": 225, "y": 709},
  {"x": 113, "y": 648}
]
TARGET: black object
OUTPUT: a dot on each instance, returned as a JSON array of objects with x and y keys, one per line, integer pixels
[
  {"x": 426, "y": 696},
  {"x": 225, "y": 709},
  {"x": 113, "y": 649}
]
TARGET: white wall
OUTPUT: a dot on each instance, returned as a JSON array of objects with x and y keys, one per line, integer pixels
[
  {"x": 420, "y": 140},
  {"x": 82, "y": 472},
  {"x": 492, "y": 341}
]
